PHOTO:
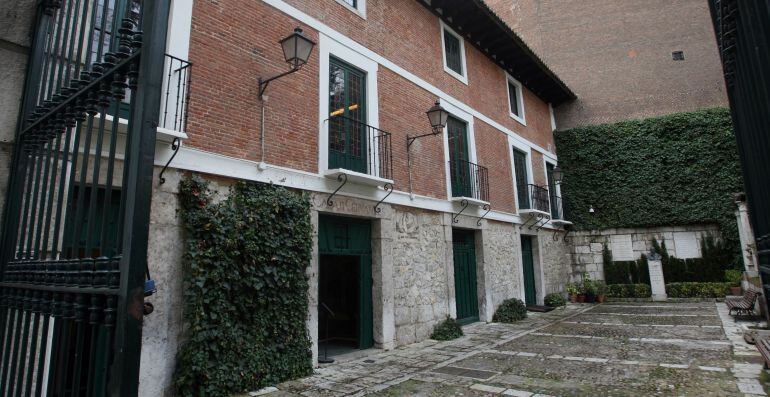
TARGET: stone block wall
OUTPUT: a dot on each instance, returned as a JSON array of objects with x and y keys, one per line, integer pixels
[{"x": 585, "y": 247}]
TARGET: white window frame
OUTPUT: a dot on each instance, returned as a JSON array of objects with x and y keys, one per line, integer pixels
[
  {"x": 359, "y": 9},
  {"x": 328, "y": 47},
  {"x": 468, "y": 119},
  {"x": 464, "y": 76},
  {"x": 512, "y": 143},
  {"x": 519, "y": 97}
]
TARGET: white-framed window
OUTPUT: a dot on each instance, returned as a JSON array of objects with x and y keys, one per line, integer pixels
[
  {"x": 467, "y": 147},
  {"x": 357, "y": 6},
  {"x": 453, "y": 53},
  {"x": 521, "y": 170},
  {"x": 515, "y": 99}
]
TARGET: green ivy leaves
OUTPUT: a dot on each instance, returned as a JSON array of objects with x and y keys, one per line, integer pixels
[
  {"x": 674, "y": 170},
  {"x": 246, "y": 289}
]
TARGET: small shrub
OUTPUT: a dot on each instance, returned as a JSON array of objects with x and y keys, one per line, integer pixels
[
  {"x": 733, "y": 276},
  {"x": 698, "y": 290},
  {"x": 510, "y": 311},
  {"x": 447, "y": 330},
  {"x": 572, "y": 288},
  {"x": 554, "y": 300}
]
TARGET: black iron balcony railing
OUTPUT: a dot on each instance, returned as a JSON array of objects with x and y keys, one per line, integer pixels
[
  {"x": 469, "y": 180},
  {"x": 360, "y": 147},
  {"x": 534, "y": 198},
  {"x": 557, "y": 208},
  {"x": 176, "y": 93}
]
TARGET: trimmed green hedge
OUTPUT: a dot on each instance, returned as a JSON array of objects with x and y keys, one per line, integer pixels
[
  {"x": 245, "y": 294},
  {"x": 674, "y": 170},
  {"x": 510, "y": 311},
  {"x": 628, "y": 291},
  {"x": 698, "y": 290}
]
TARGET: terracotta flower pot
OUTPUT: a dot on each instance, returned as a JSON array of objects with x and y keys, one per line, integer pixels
[
  {"x": 599, "y": 298},
  {"x": 581, "y": 298},
  {"x": 572, "y": 298},
  {"x": 736, "y": 291}
]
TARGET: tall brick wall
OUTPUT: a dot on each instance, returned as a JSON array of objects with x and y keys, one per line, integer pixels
[
  {"x": 233, "y": 42},
  {"x": 616, "y": 55}
]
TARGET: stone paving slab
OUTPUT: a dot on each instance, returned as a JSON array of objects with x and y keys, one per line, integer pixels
[
  {"x": 562, "y": 353},
  {"x": 683, "y": 352},
  {"x": 712, "y": 320},
  {"x": 635, "y": 331}
]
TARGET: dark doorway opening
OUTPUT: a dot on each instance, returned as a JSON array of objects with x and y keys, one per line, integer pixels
[{"x": 339, "y": 291}]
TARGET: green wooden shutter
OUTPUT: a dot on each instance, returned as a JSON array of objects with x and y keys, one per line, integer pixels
[
  {"x": 513, "y": 98},
  {"x": 555, "y": 213},
  {"x": 530, "y": 293},
  {"x": 520, "y": 169},
  {"x": 453, "y": 52},
  {"x": 347, "y": 134}
]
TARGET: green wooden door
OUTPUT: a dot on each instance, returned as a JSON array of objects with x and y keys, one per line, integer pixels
[
  {"x": 459, "y": 166},
  {"x": 466, "y": 298},
  {"x": 530, "y": 293},
  {"x": 347, "y": 117},
  {"x": 352, "y": 237}
]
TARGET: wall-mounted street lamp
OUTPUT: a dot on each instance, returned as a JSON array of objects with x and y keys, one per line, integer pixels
[
  {"x": 438, "y": 118},
  {"x": 557, "y": 175},
  {"x": 296, "y": 50}
]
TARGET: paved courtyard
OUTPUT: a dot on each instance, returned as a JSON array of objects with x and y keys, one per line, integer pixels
[{"x": 613, "y": 349}]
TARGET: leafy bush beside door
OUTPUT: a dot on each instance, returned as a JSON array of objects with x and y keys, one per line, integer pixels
[{"x": 246, "y": 299}]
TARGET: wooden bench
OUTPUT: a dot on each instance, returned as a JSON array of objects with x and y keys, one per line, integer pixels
[
  {"x": 763, "y": 345},
  {"x": 744, "y": 304}
]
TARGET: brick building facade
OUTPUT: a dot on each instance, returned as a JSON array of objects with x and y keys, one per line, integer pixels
[
  {"x": 414, "y": 235},
  {"x": 618, "y": 55}
]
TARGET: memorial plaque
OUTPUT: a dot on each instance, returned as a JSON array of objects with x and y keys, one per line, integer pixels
[
  {"x": 686, "y": 245},
  {"x": 622, "y": 248},
  {"x": 657, "y": 283}
]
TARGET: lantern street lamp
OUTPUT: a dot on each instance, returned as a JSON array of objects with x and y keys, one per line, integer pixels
[
  {"x": 296, "y": 51},
  {"x": 557, "y": 175},
  {"x": 437, "y": 116}
]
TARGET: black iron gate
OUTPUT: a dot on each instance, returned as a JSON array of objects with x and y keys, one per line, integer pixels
[
  {"x": 743, "y": 34},
  {"x": 75, "y": 226}
]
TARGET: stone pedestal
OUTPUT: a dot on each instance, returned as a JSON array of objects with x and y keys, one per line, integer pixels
[{"x": 657, "y": 283}]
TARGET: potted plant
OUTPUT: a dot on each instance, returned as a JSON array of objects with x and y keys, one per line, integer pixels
[
  {"x": 601, "y": 291},
  {"x": 590, "y": 288},
  {"x": 581, "y": 297},
  {"x": 573, "y": 291},
  {"x": 734, "y": 276}
]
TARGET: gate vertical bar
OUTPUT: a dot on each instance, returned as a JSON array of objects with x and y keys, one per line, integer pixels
[{"x": 140, "y": 156}]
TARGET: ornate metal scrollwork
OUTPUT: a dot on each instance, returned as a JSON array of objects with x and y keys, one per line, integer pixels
[
  {"x": 486, "y": 207},
  {"x": 388, "y": 188},
  {"x": 175, "y": 145},
  {"x": 343, "y": 178},
  {"x": 464, "y": 205}
]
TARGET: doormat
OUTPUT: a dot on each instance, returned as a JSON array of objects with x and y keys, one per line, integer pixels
[{"x": 539, "y": 309}]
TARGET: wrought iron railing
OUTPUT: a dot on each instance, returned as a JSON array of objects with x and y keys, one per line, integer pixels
[
  {"x": 176, "y": 93},
  {"x": 535, "y": 198},
  {"x": 557, "y": 208},
  {"x": 360, "y": 147},
  {"x": 469, "y": 180}
]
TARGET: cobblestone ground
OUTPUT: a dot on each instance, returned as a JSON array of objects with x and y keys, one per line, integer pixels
[{"x": 613, "y": 349}]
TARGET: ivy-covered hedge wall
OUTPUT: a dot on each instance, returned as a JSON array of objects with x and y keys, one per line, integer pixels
[
  {"x": 673, "y": 170},
  {"x": 246, "y": 299}
]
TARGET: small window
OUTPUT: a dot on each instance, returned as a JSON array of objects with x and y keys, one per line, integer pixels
[
  {"x": 521, "y": 178},
  {"x": 357, "y": 6},
  {"x": 677, "y": 55},
  {"x": 454, "y": 53},
  {"x": 515, "y": 100}
]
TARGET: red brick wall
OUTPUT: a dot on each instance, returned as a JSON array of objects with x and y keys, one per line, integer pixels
[{"x": 235, "y": 41}]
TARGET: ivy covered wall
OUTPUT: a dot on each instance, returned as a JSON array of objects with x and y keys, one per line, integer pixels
[
  {"x": 246, "y": 291},
  {"x": 678, "y": 169}
]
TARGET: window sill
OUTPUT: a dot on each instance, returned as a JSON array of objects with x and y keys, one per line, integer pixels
[
  {"x": 518, "y": 119},
  {"x": 463, "y": 79},
  {"x": 162, "y": 135},
  {"x": 360, "y": 10},
  {"x": 357, "y": 177},
  {"x": 560, "y": 222},
  {"x": 470, "y": 200},
  {"x": 534, "y": 212}
]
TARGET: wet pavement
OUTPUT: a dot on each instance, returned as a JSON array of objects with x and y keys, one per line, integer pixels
[{"x": 612, "y": 349}]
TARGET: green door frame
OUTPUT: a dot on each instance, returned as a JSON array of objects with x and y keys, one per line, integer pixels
[
  {"x": 352, "y": 237},
  {"x": 466, "y": 295},
  {"x": 349, "y": 129},
  {"x": 528, "y": 265},
  {"x": 459, "y": 158}
]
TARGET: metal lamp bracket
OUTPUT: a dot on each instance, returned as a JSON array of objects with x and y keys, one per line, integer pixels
[{"x": 545, "y": 220}]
